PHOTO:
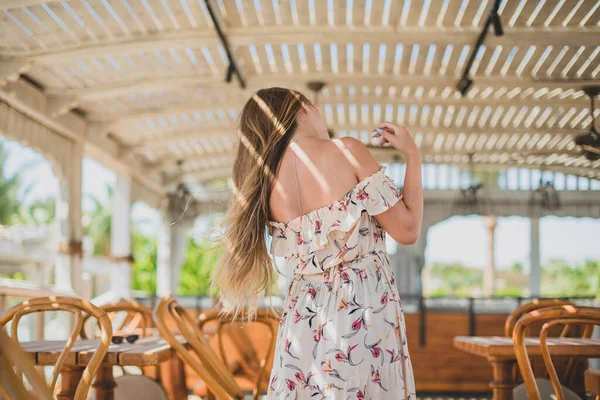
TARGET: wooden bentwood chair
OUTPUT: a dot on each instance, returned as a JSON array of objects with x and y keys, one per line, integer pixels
[
  {"x": 566, "y": 315},
  {"x": 128, "y": 317},
  {"x": 536, "y": 304},
  {"x": 573, "y": 366},
  {"x": 11, "y": 381},
  {"x": 200, "y": 356},
  {"x": 255, "y": 359},
  {"x": 78, "y": 308}
]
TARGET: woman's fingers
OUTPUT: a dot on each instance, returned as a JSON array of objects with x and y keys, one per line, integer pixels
[
  {"x": 388, "y": 126},
  {"x": 382, "y": 134}
]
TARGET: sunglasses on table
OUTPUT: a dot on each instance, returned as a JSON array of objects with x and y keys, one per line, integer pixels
[{"x": 130, "y": 339}]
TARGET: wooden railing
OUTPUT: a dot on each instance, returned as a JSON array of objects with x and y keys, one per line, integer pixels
[
  {"x": 13, "y": 291},
  {"x": 23, "y": 290}
]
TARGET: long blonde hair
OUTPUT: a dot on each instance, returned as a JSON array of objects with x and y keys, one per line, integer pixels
[{"x": 265, "y": 127}]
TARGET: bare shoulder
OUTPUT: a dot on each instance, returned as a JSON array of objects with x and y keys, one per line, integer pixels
[{"x": 357, "y": 155}]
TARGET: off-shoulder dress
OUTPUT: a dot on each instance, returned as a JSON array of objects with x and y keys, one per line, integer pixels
[{"x": 342, "y": 332}]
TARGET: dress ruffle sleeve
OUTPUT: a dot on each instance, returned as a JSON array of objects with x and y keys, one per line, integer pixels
[{"x": 315, "y": 230}]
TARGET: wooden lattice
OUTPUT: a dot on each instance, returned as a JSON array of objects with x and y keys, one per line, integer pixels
[{"x": 151, "y": 73}]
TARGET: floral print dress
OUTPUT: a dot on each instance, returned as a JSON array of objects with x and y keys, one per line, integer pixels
[{"x": 342, "y": 332}]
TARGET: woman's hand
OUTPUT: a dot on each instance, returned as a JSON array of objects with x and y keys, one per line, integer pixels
[{"x": 398, "y": 136}]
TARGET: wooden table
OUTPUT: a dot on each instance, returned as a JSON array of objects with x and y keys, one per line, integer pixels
[
  {"x": 499, "y": 351},
  {"x": 144, "y": 352}
]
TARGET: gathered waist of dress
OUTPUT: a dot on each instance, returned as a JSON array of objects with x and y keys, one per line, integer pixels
[
  {"x": 343, "y": 264},
  {"x": 312, "y": 265}
]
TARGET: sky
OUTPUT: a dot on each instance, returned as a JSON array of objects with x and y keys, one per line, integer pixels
[{"x": 459, "y": 239}]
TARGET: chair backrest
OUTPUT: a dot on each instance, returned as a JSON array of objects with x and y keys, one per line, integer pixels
[
  {"x": 572, "y": 365},
  {"x": 200, "y": 356},
  {"x": 523, "y": 309},
  {"x": 255, "y": 364},
  {"x": 134, "y": 317},
  {"x": 78, "y": 308},
  {"x": 11, "y": 382},
  {"x": 552, "y": 316}
]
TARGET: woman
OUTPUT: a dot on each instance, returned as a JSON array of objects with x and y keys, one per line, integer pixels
[{"x": 326, "y": 204}]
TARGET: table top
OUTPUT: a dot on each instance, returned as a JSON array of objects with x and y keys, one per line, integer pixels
[
  {"x": 144, "y": 352},
  {"x": 502, "y": 347}
]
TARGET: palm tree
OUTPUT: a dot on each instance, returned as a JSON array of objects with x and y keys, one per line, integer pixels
[
  {"x": 39, "y": 212},
  {"x": 13, "y": 208}
]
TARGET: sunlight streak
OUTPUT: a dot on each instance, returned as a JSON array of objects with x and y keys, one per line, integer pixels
[{"x": 312, "y": 168}]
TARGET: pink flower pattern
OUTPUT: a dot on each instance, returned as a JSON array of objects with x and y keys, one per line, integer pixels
[{"x": 346, "y": 336}]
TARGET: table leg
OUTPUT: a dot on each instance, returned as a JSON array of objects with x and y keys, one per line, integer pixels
[
  {"x": 70, "y": 378},
  {"x": 104, "y": 384},
  {"x": 503, "y": 383},
  {"x": 173, "y": 378}
]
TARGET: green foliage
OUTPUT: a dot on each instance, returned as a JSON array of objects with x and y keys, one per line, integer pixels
[
  {"x": 19, "y": 276},
  {"x": 39, "y": 212},
  {"x": 455, "y": 279},
  {"x": 559, "y": 279},
  {"x": 201, "y": 257},
  {"x": 517, "y": 267},
  {"x": 96, "y": 223},
  {"x": 440, "y": 292},
  {"x": 9, "y": 187},
  {"x": 144, "y": 267},
  {"x": 13, "y": 208},
  {"x": 509, "y": 291},
  {"x": 195, "y": 274},
  {"x": 487, "y": 177}
]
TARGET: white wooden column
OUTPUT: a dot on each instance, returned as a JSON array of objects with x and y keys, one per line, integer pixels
[
  {"x": 120, "y": 238},
  {"x": 69, "y": 267},
  {"x": 535, "y": 272},
  {"x": 172, "y": 246},
  {"x": 489, "y": 273}
]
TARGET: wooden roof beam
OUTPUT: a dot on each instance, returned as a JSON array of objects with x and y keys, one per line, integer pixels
[
  {"x": 192, "y": 134},
  {"x": 219, "y": 158},
  {"x": 199, "y": 176},
  {"x": 259, "y": 35},
  {"x": 76, "y": 96},
  {"x": 499, "y": 130},
  {"x": 10, "y": 70},
  {"x": 387, "y": 155},
  {"x": 29, "y": 100},
  {"x": 10, "y": 4},
  {"x": 203, "y": 107},
  {"x": 195, "y": 134},
  {"x": 149, "y": 113},
  {"x": 147, "y": 85},
  {"x": 509, "y": 160},
  {"x": 225, "y": 172}
]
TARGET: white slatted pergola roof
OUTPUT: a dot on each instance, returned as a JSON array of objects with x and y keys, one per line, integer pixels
[{"x": 148, "y": 76}]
